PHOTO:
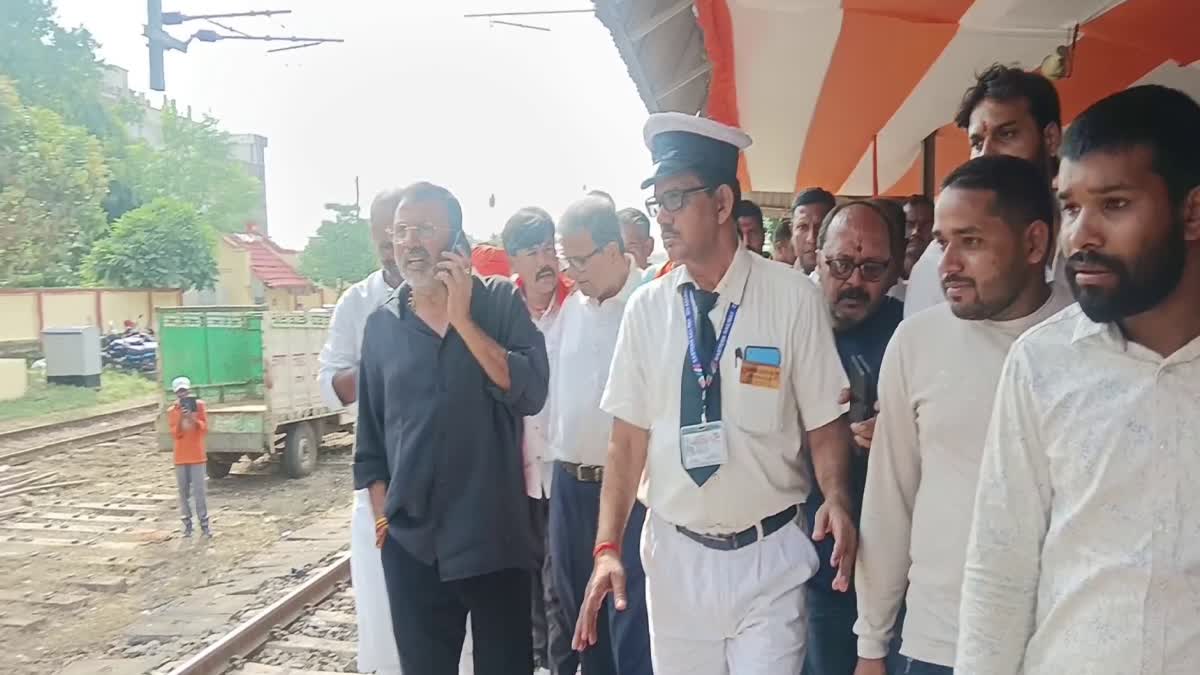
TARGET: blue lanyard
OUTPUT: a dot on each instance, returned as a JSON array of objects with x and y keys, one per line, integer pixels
[{"x": 705, "y": 379}]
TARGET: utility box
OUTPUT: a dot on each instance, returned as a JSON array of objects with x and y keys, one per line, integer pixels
[{"x": 72, "y": 356}]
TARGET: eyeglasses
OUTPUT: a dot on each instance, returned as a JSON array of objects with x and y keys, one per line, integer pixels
[
  {"x": 424, "y": 231},
  {"x": 578, "y": 262},
  {"x": 871, "y": 270},
  {"x": 672, "y": 200}
]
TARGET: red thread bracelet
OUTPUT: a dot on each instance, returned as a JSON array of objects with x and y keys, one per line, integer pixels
[{"x": 605, "y": 546}]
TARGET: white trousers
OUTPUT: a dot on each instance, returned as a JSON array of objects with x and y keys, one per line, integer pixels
[
  {"x": 738, "y": 612},
  {"x": 376, "y": 641}
]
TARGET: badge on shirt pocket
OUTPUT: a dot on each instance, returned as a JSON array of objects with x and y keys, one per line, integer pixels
[{"x": 761, "y": 367}]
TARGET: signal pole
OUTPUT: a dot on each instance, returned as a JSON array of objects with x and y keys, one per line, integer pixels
[{"x": 160, "y": 41}]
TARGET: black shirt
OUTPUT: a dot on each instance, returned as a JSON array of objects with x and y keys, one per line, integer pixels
[
  {"x": 445, "y": 438},
  {"x": 867, "y": 341}
]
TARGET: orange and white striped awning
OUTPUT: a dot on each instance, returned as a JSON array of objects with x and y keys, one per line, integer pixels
[{"x": 844, "y": 93}]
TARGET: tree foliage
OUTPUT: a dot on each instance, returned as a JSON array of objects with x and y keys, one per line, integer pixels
[
  {"x": 341, "y": 252},
  {"x": 162, "y": 244},
  {"x": 53, "y": 178},
  {"x": 54, "y": 67},
  {"x": 69, "y": 164},
  {"x": 192, "y": 165}
]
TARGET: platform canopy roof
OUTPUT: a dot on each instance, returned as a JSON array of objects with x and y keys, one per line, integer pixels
[{"x": 844, "y": 93}]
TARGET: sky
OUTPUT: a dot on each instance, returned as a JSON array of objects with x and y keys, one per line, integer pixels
[{"x": 417, "y": 92}]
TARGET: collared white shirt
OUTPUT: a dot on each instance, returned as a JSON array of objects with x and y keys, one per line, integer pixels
[
  {"x": 342, "y": 346},
  {"x": 764, "y": 428},
  {"x": 588, "y": 329},
  {"x": 536, "y": 445},
  {"x": 1085, "y": 549}
]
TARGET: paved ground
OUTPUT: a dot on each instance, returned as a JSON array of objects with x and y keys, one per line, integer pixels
[{"x": 99, "y": 569}]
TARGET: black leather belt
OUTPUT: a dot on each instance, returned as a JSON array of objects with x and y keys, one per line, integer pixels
[
  {"x": 584, "y": 473},
  {"x": 736, "y": 540}
]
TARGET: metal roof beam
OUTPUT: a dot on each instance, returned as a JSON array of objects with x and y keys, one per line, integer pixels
[
  {"x": 697, "y": 72},
  {"x": 647, "y": 27}
]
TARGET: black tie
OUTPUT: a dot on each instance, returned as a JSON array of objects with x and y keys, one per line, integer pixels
[{"x": 690, "y": 399}]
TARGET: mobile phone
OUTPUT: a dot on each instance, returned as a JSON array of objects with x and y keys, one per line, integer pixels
[
  {"x": 862, "y": 390},
  {"x": 188, "y": 403},
  {"x": 460, "y": 244}
]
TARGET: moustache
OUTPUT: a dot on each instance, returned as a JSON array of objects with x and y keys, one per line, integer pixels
[
  {"x": 955, "y": 279},
  {"x": 1092, "y": 259},
  {"x": 546, "y": 271},
  {"x": 854, "y": 294}
]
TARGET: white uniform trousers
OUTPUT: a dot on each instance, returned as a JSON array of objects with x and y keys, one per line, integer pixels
[
  {"x": 739, "y": 612},
  {"x": 376, "y": 641}
]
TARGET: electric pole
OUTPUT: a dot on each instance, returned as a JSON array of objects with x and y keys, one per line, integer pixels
[{"x": 160, "y": 41}]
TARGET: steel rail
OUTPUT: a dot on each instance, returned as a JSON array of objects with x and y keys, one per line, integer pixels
[
  {"x": 91, "y": 438},
  {"x": 35, "y": 429},
  {"x": 253, "y": 633}
]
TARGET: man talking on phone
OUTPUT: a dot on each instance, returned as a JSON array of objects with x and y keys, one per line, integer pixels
[
  {"x": 859, "y": 256},
  {"x": 450, "y": 365}
]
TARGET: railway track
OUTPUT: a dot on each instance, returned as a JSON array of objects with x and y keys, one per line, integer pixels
[
  {"x": 309, "y": 625},
  {"x": 21, "y": 445}
]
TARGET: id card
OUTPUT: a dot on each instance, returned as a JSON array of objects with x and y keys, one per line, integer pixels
[
  {"x": 703, "y": 445},
  {"x": 760, "y": 367}
]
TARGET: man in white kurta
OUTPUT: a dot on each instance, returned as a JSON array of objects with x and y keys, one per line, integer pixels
[
  {"x": 338, "y": 375},
  {"x": 1086, "y": 537},
  {"x": 1008, "y": 111}
]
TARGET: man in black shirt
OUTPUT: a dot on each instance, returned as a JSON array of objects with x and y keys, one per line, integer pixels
[
  {"x": 860, "y": 255},
  {"x": 450, "y": 364}
]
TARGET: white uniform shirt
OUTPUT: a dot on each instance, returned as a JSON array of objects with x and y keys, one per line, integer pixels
[
  {"x": 536, "y": 444},
  {"x": 1085, "y": 550},
  {"x": 764, "y": 427},
  {"x": 342, "y": 346},
  {"x": 587, "y": 339}
]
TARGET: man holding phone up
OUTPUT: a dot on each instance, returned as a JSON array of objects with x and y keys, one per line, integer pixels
[
  {"x": 188, "y": 421},
  {"x": 859, "y": 255},
  {"x": 450, "y": 365}
]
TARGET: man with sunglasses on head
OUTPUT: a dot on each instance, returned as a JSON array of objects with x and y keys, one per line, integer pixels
[
  {"x": 722, "y": 368},
  {"x": 860, "y": 250},
  {"x": 450, "y": 365},
  {"x": 528, "y": 239}
]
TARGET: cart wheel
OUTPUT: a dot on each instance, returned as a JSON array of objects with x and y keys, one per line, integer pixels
[
  {"x": 217, "y": 468},
  {"x": 300, "y": 450}
]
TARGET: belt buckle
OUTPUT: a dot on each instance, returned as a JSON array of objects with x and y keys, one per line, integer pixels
[
  {"x": 590, "y": 474},
  {"x": 728, "y": 541}
]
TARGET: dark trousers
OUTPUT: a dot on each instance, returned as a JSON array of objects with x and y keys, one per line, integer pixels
[
  {"x": 429, "y": 617},
  {"x": 552, "y": 631},
  {"x": 902, "y": 665},
  {"x": 832, "y": 644},
  {"x": 623, "y": 638}
]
